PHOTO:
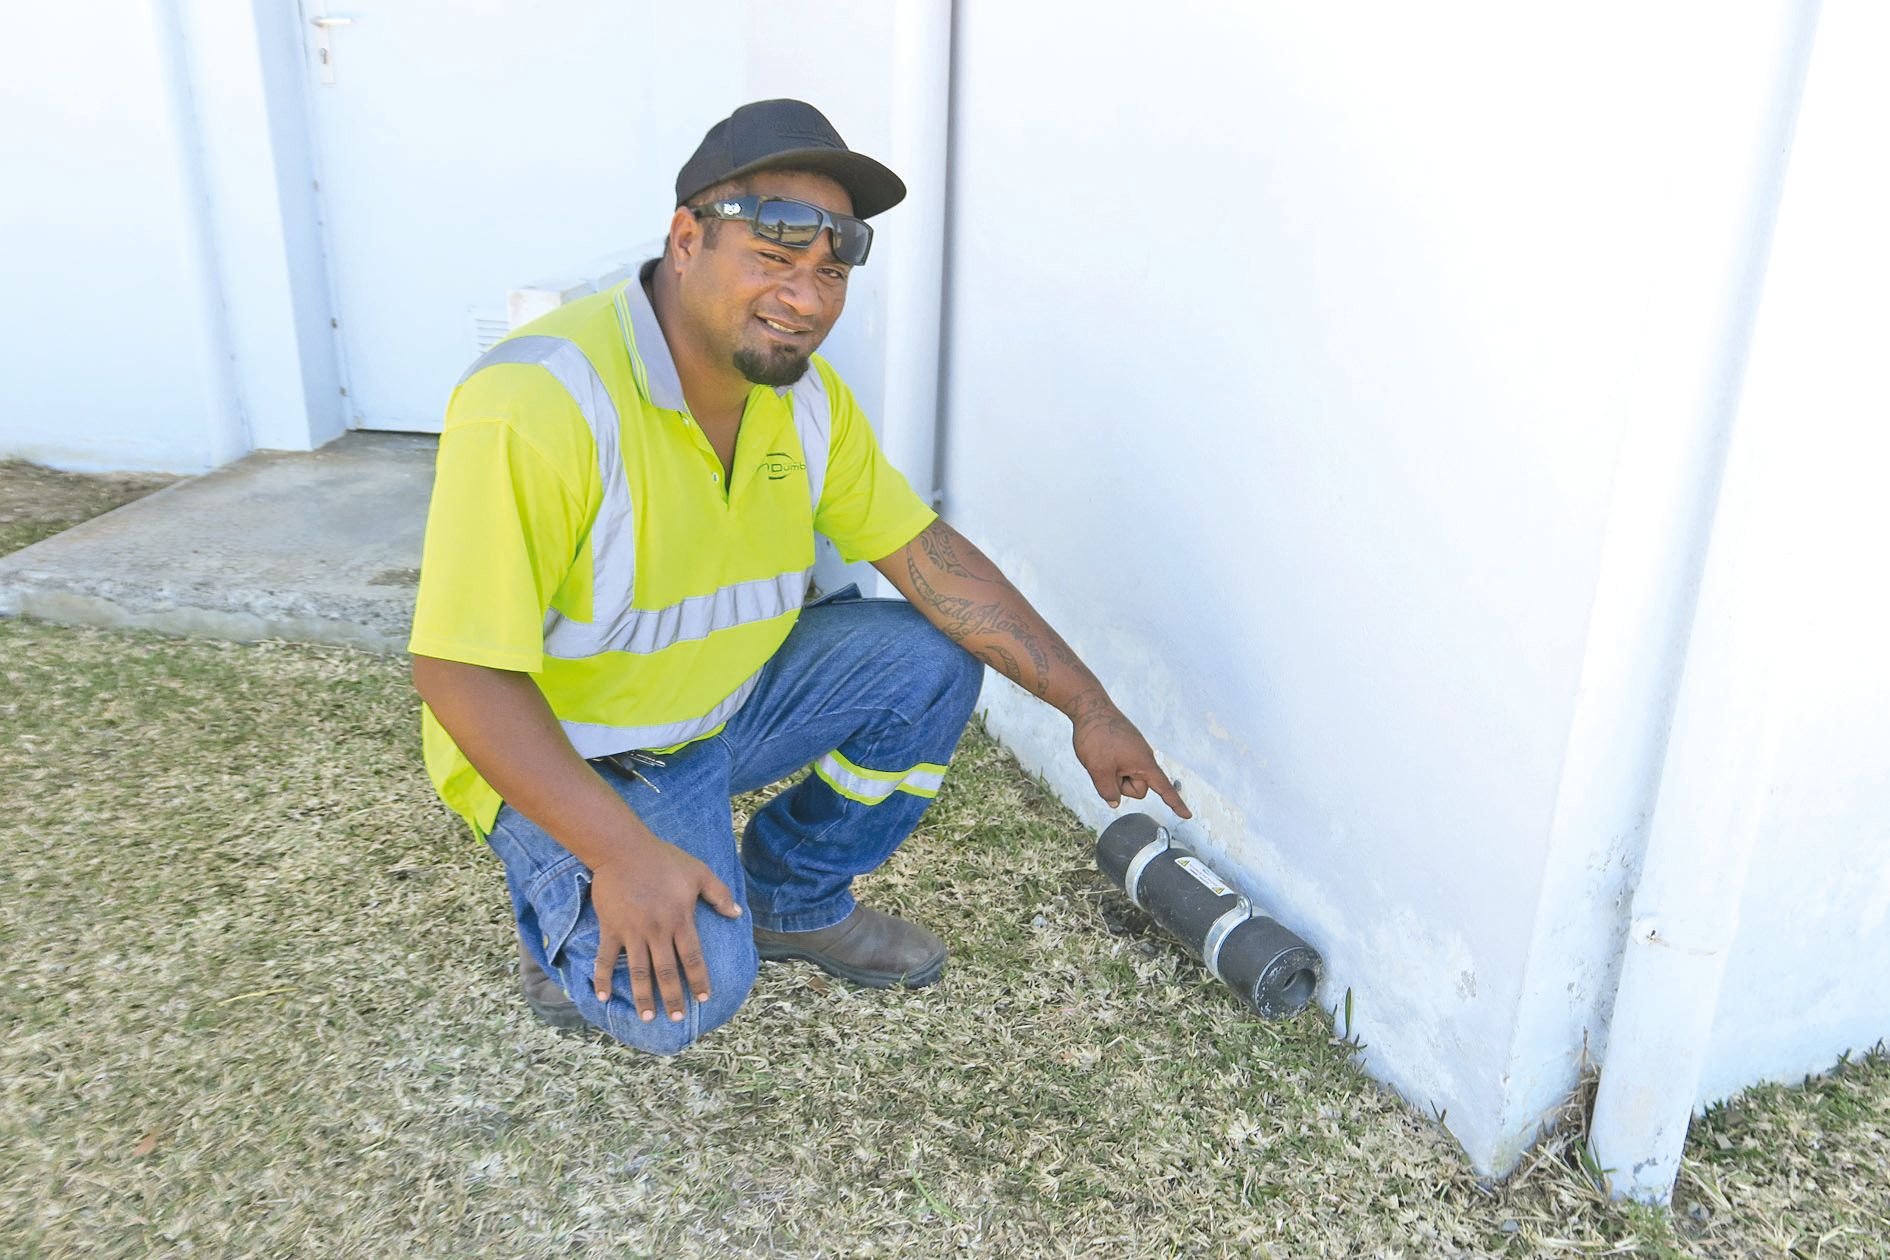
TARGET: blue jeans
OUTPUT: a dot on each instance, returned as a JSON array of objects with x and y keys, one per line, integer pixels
[{"x": 866, "y": 689}]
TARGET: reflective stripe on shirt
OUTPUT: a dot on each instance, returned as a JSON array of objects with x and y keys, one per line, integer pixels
[
  {"x": 595, "y": 739},
  {"x": 620, "y": 625}
]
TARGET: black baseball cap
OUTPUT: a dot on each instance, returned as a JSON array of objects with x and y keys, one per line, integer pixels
[{"x": 787, "y": 135}]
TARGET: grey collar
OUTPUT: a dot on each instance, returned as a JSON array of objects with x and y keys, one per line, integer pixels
[{"x": 665, "y": 386}]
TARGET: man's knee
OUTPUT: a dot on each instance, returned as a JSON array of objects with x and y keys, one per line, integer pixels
[
  {"x": 731, "y": 977},
  {"x": 956, "y": 673},
  {"x": 966, "y": 680}
]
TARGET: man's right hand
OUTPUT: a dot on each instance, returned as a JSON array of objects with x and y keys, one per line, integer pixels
[
  {"x": 643, "y": 890},
  {"x": 646, "y": 911}
]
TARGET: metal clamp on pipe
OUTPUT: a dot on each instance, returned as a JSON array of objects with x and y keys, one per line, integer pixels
[{"x": 1269, "y": 968}]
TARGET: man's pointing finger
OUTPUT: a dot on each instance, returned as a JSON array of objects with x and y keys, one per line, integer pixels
[{"x": 1166, "y": 790}]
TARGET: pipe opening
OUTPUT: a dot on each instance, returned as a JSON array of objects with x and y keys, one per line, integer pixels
[{"x": 1298, "y": 989}]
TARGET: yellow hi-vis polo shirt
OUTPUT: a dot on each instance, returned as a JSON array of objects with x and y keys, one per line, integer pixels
[{"x": 582, "y": 531}]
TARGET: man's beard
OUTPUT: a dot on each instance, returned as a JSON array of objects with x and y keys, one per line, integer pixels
[{"x": 776, "y": 370}]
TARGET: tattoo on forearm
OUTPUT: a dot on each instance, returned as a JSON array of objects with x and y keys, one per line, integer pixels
[
  {"x": 992, "y": 630},
  {"x": 1061, "y": 650},
  {"x": 966, "y": 619},
  {"x": 1093, "y": 708},
  {"x": 938, "y": 547}
]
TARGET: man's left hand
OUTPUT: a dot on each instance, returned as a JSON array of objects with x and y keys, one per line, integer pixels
[{"x": 1119, "y": 760}]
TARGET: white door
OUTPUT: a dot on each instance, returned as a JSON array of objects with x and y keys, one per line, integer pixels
[{"x": 469, "y": 147}]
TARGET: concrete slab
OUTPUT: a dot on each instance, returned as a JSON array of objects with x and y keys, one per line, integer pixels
[{"x": 316, "y": 547}]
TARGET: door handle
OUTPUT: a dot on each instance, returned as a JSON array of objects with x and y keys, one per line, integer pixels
[{"x": 324, "y": 54}]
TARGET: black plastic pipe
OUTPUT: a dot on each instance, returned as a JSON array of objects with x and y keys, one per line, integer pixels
[{"x": 1269, "y": 968}]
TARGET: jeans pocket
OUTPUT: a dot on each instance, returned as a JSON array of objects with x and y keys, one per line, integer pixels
[{"x": 557, "y": 898}]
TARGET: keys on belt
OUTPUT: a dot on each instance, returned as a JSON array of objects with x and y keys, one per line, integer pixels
[{"x": 632, "y": 763}]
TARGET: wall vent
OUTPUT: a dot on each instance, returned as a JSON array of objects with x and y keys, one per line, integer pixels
[{"x": 488, "y": 327}]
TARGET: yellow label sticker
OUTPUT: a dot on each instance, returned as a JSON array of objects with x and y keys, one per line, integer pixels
[{"x": 1203, "y": 876}]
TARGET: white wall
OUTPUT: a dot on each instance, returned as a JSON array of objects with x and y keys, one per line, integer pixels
[
  {"x": 107, "y": 360},
  {"x": 1806, "y": 978},
  {"x": 1293, "y": 353},
  {"x": 172, "y": 151},
  {"x": 166, "y": 306},
  {"x": 244, "y": 66}
]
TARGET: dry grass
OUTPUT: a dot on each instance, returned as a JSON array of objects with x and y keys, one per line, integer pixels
[
  {"x": 38, "y": 502},
  {"x": 260, "y": 997}
]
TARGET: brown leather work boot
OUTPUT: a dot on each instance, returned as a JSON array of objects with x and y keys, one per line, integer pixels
[
  {"x": 544, "y": 994},
  {"x": 868, "y": 947}
]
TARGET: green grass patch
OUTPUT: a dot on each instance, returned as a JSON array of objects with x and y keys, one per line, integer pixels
[
  {"x": 260, "y": 1001},
  {"x": 37, "y": 502}
]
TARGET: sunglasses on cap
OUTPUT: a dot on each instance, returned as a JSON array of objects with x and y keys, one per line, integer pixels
[{"x": 793, "y": 223}]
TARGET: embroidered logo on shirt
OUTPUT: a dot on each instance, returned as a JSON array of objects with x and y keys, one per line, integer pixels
[{"x": 779, "y": 464}]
